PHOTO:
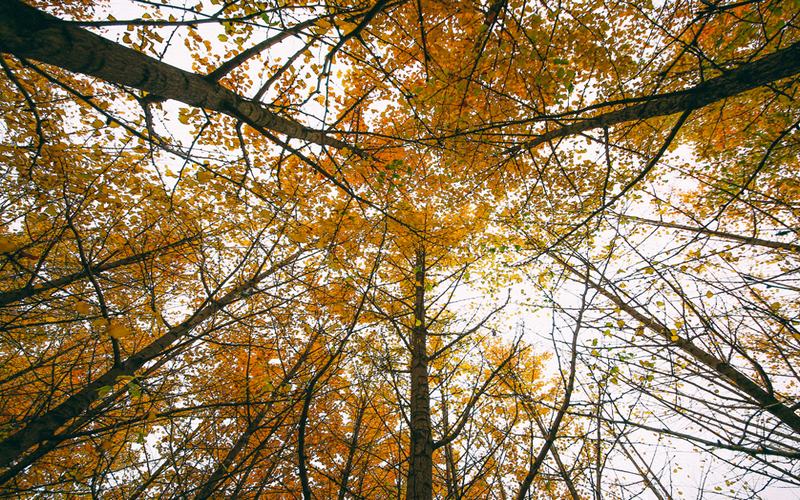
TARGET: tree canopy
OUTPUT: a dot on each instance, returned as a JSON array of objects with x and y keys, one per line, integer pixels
[{"x": 399, "y": 249}]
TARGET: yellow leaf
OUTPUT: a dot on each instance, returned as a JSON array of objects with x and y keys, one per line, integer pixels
[
  {"x": 203, "y": 176},
  {"x": 346, "y": 25},
  {"x": 6, "y": 245},
  {"x": 82, "y": 307},
  {"x": 117, "y": 330}
]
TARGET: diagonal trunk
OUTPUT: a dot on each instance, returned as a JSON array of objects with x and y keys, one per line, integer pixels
[
  {"x": 770, "y": 68},
  {"x": 42, "y": 428},
  {"x": 351, "y": 450},
  {"x": 29, "y": 33},
  {"x": 738, "y": 238},
  {"x": 743, "y": 383},
  {"x": 218, "y": 476}
]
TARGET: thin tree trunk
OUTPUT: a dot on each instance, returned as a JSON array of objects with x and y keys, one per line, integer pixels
[
  {"x": 217, "y": 477},
  {"x": 451, "y": 473},
  {"x": 420, "y": 461},
  {"x": 552, "y": 434},
  {"x": 648, "y": 476},
  {"x": 747, "y": 240},
  {"x": 562, "y": 469},
  {"x": 598, "y": 448},
  {"x": 42, "y": 428},
  {"x": 726, "y": 371},
  {"x": 302, "y": 464},
  {"x": 352, "y": 448}
]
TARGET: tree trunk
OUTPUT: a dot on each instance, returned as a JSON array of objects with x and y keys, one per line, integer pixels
[
  {"x": 352, "y": 449},
  {"x": 42, "y": 428},
  {"x": 420, "y": 460},
  {"x": 770, "y": 68},
  {"x": 29, "y": 33}
]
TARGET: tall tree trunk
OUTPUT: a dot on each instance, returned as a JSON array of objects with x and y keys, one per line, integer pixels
[
  {"x": 770, "y": 68},
  {"x": 30, "y": 33},
  {"x": 420, "y": 461},
  {"x": 352, "y": 449}
]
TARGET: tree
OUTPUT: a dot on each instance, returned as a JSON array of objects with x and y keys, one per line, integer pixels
[{"x": 421, "y": 249}]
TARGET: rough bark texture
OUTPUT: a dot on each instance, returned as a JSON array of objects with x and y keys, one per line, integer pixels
[
  {"x": 29, "y": 33},
  {"x": 420, "y": 460},
  {"x": 770, "y": 68}
]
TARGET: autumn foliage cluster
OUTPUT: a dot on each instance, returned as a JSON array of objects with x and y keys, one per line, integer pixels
[{"x": 399, "y": 249}]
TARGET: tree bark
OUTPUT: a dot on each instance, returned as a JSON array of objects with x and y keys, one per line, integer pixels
[
  {"x": 419, "y": 485},
  {"x": 29, "y": 33},
  {"x": 780, "y": 64}
]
